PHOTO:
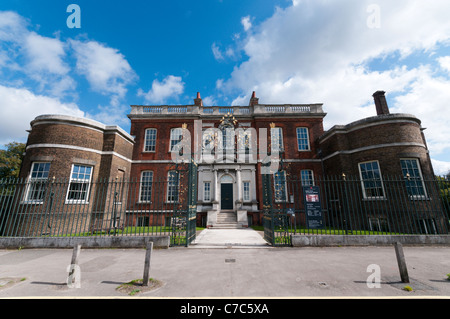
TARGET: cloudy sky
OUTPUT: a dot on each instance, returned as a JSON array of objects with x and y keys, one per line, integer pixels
[{"x": 163, "y": 52}]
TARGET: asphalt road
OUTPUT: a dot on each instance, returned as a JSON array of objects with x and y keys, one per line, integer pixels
[{"x": 221, "y": 272}]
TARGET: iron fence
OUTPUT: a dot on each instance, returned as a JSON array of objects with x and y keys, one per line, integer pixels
[
  {"x": 349, "y": 206},
  {"x": 346, "y": 205},
  {"x": 67, "y": 208}
]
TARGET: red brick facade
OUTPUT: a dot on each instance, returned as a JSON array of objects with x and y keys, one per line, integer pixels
[{"x": 112, "y": 153}]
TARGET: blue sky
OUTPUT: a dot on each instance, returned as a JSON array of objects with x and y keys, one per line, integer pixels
[{"x": 162, "y": 52}]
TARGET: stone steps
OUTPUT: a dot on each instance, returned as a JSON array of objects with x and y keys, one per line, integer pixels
[{"x": 227, "y": 220}]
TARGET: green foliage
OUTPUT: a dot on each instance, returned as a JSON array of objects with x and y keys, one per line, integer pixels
[
  {"x": 444, "y": 189},
  {"x": 11, "y": 160}
]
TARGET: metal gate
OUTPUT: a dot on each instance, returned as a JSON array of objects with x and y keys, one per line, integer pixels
[
  {"x": 276, "y": 216},
  {"x": 184, "y": 220}
]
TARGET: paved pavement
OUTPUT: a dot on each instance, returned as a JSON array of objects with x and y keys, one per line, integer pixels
[{"x": 205, "y": 271}]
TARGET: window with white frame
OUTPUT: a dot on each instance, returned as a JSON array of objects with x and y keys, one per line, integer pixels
[
  {"x": 372, "y": 183},
  {"x": 246, "y": 195},
  {"x": 303, "y": 139},
  {"x": 276, "y": 136},
  {"x": 307, "y": 177},
  {"x": 280, "y": 186},
  {"x": 150, "y": 140},
  {"x": 80, "y": 181},
  {"x": 207, "y": 191},
  {"x": 173, "y": 181},
  {"x": 175, "y": 137},
  {"x": 413, "y": 177},
  {"x": 146, "y": 186},
  {"x": 37, "y": 182}
]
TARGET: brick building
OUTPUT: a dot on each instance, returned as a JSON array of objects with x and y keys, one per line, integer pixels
[{"x": 230, "y": 145}]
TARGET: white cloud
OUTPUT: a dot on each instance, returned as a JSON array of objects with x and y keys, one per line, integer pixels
[
  {"x": 246, "y": 23},
  {"x": 444, "y": 62},
  {"x": 170, "y": 87},
  {"x": 45, "y": 54},
  {"x": 106, "y": 69},
  {"x": 18, "y": 107},
  {"x": 33, "y": 57},
  {"x": 319, "y": 51},
  {"x": 12, "y": 26},
  {"x": 440, "y": 168},
  {"x": 216, "y": 52}
]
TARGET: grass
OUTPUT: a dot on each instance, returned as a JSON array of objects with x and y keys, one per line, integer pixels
[
  {"x": 448, "y": 277},
  {"x": 132, "y": 230},
  {"x": 326, "y": 231},
  {"x": 135, "y": 286}
]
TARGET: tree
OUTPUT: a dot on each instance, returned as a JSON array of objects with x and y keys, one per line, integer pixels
[{"x": 11, "y": 159}]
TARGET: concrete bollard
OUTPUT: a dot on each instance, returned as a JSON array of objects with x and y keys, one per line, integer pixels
[
  {"x": 401, "y": 262},
  {"x": 74, "y": 273},
  {"x": 148, "y": 257}
]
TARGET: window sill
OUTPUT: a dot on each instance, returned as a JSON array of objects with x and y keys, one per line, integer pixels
[
  {"x": 76, "y": 202},
  {"x": 31, "y": 202},
  {"x": 374, "y": 198},
  {"x": 419, "y": 197}
]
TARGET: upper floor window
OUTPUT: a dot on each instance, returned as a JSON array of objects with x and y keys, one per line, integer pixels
[
  {"x": 413, "y": 177},
  {"x": 175, "y": 137},
  {"x": 80, "y": 180},
  {"x": 150, "y": 140},
  {"x": 276, "y": 136},
  {"x": 37, "y": 182},
  {"x": 371, "y": 180},
  {"x": 303, "y": 139}
]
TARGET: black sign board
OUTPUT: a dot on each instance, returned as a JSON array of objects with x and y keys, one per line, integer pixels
[{"x": 313, "y": 208}]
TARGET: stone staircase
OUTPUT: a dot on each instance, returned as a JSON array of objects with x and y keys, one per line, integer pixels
[{"x": 227, "y": 219}]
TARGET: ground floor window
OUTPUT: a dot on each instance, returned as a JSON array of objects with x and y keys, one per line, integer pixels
[
  {"x": 37, "y": 182},
  {"x": 280, "y": 186},
  {"x": 207, "y": 191},
  {"x": 80, "y": 180},
  {"x": 246, "y": 194},
  {"x": 413, "y": 177},
  {"x": 143, "y": 221},
  {"x": 427, "y": 226},
  {"x": 172, "y": 186},
  {"x": 146, "y": 186},
  {"x": 307, "y": 177},
  {"x": 371, "y": 180}
]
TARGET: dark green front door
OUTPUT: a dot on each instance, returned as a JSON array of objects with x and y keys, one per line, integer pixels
[{"x": 226, "y": 191}]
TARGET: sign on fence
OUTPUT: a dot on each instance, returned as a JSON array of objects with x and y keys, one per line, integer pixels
[{"x": 313, "y": 207}]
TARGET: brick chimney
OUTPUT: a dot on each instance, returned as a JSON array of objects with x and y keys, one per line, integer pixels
[
  {"x": 198, "y": 101},
  {"x": 380, "y": 103},
  {"x": 254, "y": 100}
]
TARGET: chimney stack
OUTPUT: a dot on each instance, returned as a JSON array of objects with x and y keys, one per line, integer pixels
[
  {"x": 198, "y": 101},
  {"x": 380, "y": 103},
  {"x": 254, "y": 100}
]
